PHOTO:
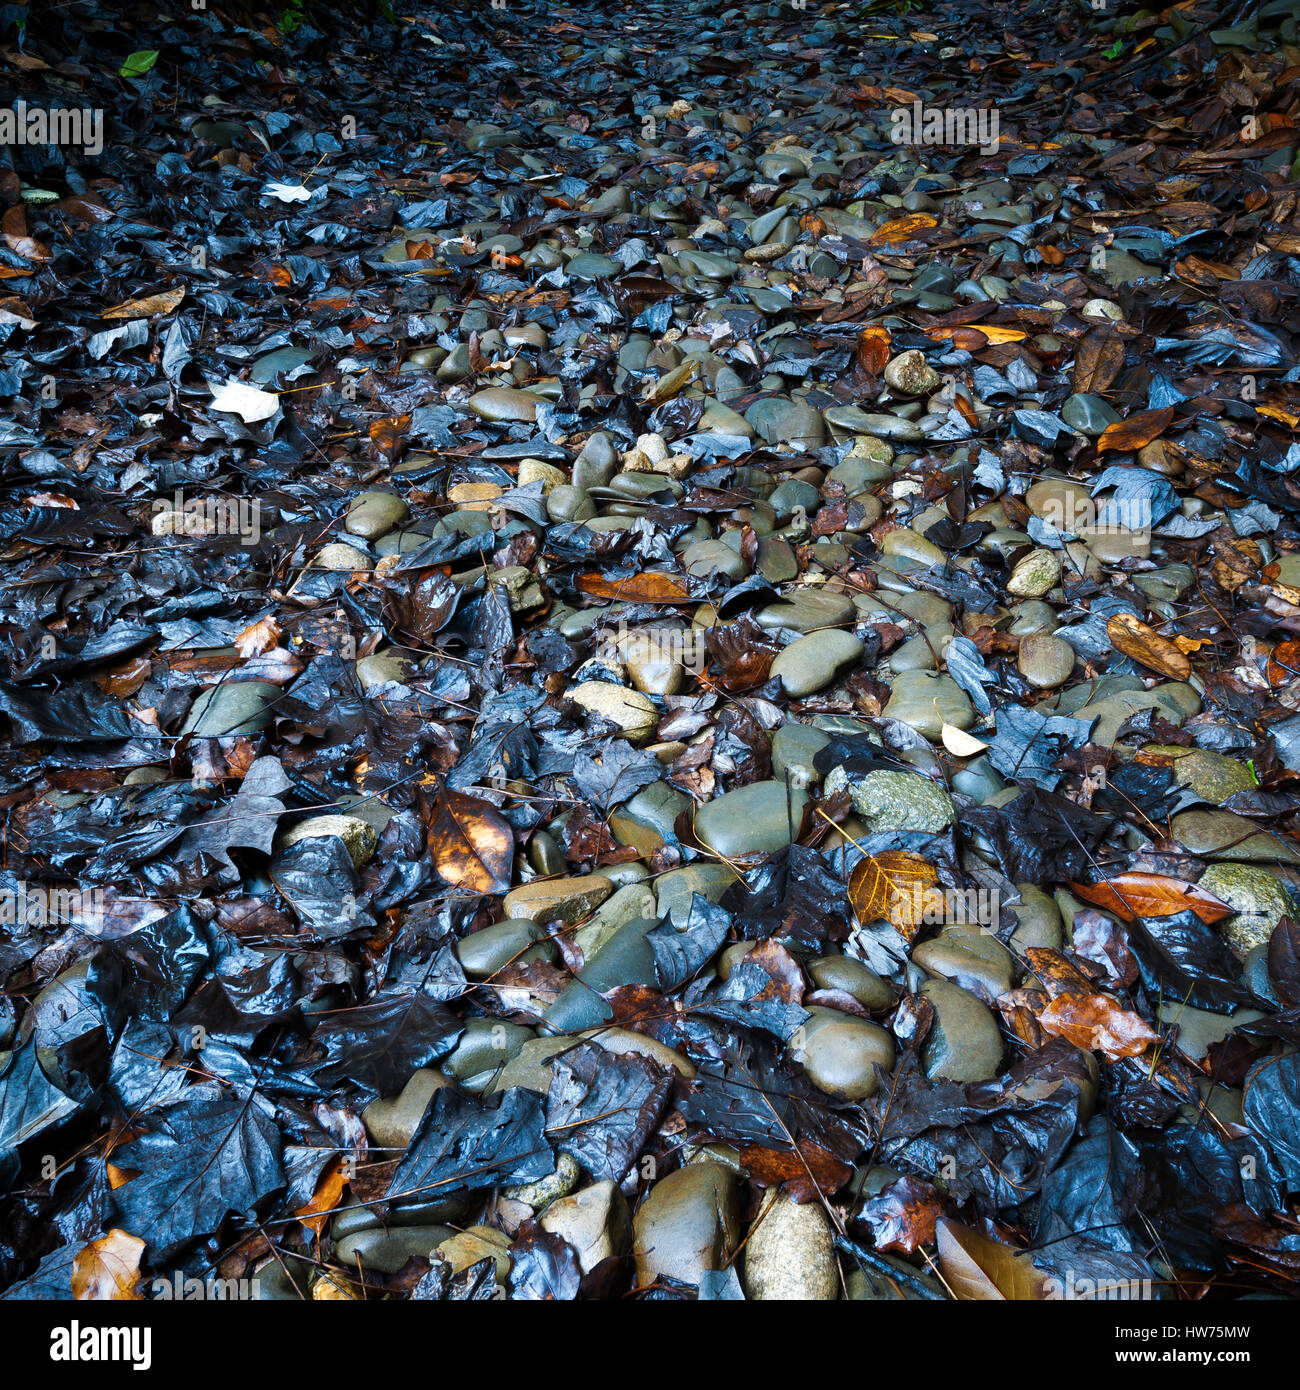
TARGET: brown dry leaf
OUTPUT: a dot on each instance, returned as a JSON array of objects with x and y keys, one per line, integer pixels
[
  {"x": 329, "y": 1189},
  {"x": 389, "y": 436},
  {"x": 1144, "y": 645},
  {"x": 807, "y": 1172},
  {"x": 1237, "y": 560},
  {"x": 1152, "y": 895},
  {"x": 977, "y": 1268},
  {"x": 261, "y": 636},
  {"x": 1275, "y": 412},
  {"x": 149, "y": 307},
  {"x": 1192, "y": 644},
  {"x": 472, "y": 845},
  {"x": 1136, "y": 432},
  {"x": 903, "y": 228},
  {"x": 126, "y": 677},
  {"x": 1096, "y": 1023},
  {"x": 653, "y": 586},
  {"x": 872, "y": 351},
  {"x": 108, "y": 1269},
  {"x": 14, "y": 224},
  {"x": 1097, "y": 362},
  {"x": 1283, "y": 663},
  {"x": 896, "y": 885},
  {"x": 903, "y": 1215},
  {"x": 991, "y": 333}
]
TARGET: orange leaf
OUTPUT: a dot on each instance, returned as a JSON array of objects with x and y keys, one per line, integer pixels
[
  {"x": 872, "y": 350},
  {"x": 653, "y": 586},
  {"x": 903, "y": 228},
  {"x": 1152, "y": 895},
  {"x": 108, "y": 1269},
  {"x": 149, "y": 307},
  {"x": 1135, "y": 639},
  {"x": 1137, "y": 431},
  {"x": 329, "y": 1188},
  {"x": 1096, "y": 1023},
  {"x": 896, "y": 885},
  {"x": 991, "y": 332}
]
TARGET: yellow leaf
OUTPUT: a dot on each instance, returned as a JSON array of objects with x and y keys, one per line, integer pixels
[
  {"x": 146, "y": 308},
  {"x": 108, "y": 1269},
  {"x": 903, "y": 228},
  {"x": 896, "y": 885}
]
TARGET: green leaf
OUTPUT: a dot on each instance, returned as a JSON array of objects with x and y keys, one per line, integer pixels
[
  {"x": 1114, "y": 50},
  {"x": 139, "y": 63}
]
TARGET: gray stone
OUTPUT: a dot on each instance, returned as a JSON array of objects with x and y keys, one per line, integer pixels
[
  {"x": 391, "y": 1123},
  {"x": 850, "y": 976},
  {"x": 925, "y": 701},
  {"x": 1224, "y": 835},
  {"x": 814, "y": 661},
  {"x": 636, "y": 714},
  {"x": 896, "y": 800},
  {"x": 688, "y": 1224},
  {"x": 1035, "y": 575},
  {"x": 374, "y": 514},
  {"x": 760, "y": 818},
  {"x": 504, "y": 403},
  {"x": 839, "y": 1052},
  {"x": 595, "y": 1221},
  {"x": 567, "y": 900},
  {"x": 358, "y": 838},
  {"x": 234, "y": 707},
  {"x": 1045, "y": 661},
  {"x": 1257, "y": 897},
  {"x": 964, "y": 1043}
]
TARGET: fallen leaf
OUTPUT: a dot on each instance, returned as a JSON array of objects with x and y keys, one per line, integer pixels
[
  {"x": 652, "y": 586},
  {"x": 149, "y": 307},
  {"x": 108, "y": 1269},
  {"x": 1096, "y": 1023},
  {"x": 472, "y": 845},
  {"x": 329, "y": 1190},
  {"x": 250, "y": 404},
  {"x": 1136, "y": 432},
  {"x": 960, "y": 743},
  {"x": 896, "y": 885},
  {"x": 1135, "y": 639},
  {"x": 903, "y": 228},
  {"x": 977, "y": 1268},
  {"x": 261, "y": 636},
  {"x": 1097, "y": 362},
  {"x": 1134, "y": 895}
]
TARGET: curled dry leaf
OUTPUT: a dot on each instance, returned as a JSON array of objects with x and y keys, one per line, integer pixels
[
  {"x": 329, "y": 1191},
  {"x": 472, "y": 845},
  {"x": 108, "y": 1269},
  {"x": 1096, "y": 1023},
  {"x": 259, "y": 637},
  {"x": 1152, "y": 895},
  {"x": 977, "y": 1268},
  {"x": 895, "y": 885},
  {"x": 959, "y": 743},
  {"x": 903, "y": 1215},
  {"x": 1144, "y": 645}
]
